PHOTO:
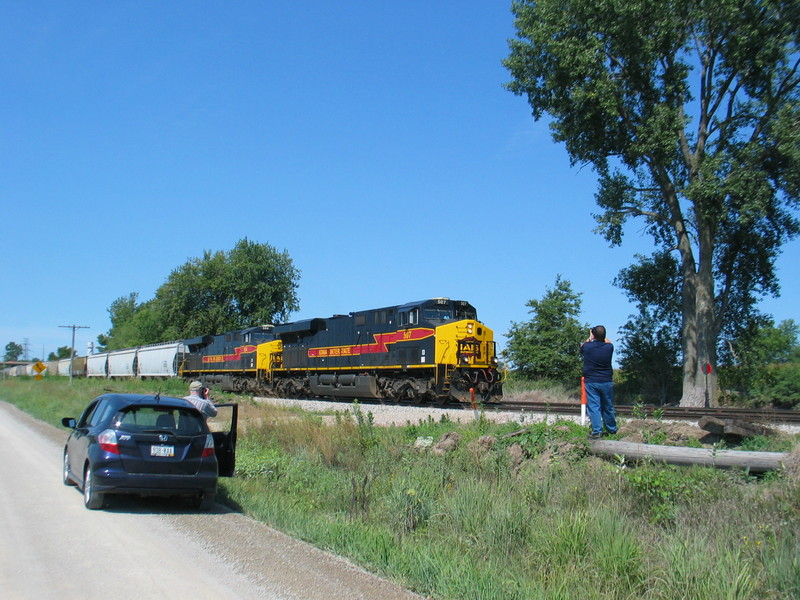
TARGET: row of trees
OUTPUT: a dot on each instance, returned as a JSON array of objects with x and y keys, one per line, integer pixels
[
  {"x": 253, "y": 284},
  {"x": 689, "y": 111},
  {"x": 760, "y": 367},
  {"x": 13, "y": 352}
]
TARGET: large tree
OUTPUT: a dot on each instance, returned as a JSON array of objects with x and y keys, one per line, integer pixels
[
  {"x": 689, "y": 111},
  {"x": 132, "y": 324},
  {"x": 13, "y": 351},
  {"x": 546, "y": 346},
  {"x": 253, "y": 284},
  {"x": 61, "y": 352}
]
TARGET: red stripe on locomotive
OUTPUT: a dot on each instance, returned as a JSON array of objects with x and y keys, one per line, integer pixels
[{"x": 382, "y": 340}]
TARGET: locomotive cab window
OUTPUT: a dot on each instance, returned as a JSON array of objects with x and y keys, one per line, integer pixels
[
  {"x": 437, "y": 314},
  {"x": 409, "y": 317},
  {"x": 466, "y": 313}
]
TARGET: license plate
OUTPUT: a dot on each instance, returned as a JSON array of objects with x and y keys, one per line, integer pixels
[{"x": 162, "y": 450}]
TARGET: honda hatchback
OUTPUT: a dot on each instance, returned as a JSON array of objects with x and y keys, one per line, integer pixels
[{"x": 147, "y": 445}]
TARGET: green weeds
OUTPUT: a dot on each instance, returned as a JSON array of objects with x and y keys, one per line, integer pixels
[{"x": 528, "y": 516}]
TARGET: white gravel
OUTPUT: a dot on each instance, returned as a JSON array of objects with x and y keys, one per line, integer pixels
[{"x": 392, "y": 414}]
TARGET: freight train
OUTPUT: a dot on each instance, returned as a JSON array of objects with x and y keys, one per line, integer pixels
[{"x": 433, "y": 350}]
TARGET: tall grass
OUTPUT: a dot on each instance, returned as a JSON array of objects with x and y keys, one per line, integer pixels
[
  {"x": 474, "y": 523},
  {"x": 52, "y": 398},
  {"x": 470, "y": 524}
]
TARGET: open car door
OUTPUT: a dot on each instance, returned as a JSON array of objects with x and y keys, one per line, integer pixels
[{"x": 223, "y": 429}]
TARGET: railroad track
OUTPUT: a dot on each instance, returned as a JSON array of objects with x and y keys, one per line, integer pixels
[{"x": 770, "y": 415}]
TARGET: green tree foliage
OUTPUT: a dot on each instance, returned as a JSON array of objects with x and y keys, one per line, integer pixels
[
  {"x": 61, "y": 352},
  {"x": 689, "y": 110},
  {"x": 780, "y": 387},
  {"x": 546, "y": 347},
  {"x": 650, "y": 346},
  {"x": 648, "y": 359},
  {"x": 762, "y": 366},
  {"x": 132, "y": 324},
  {"x": 13, "y": 351},
  {"x": 253, "y": 284}
]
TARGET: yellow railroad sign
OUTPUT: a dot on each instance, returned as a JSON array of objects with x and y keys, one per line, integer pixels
[{"x": 39, "y": 367}]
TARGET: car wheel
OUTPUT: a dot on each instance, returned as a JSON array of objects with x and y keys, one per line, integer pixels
[
  {"x": 67, "y": 478},
  {"x": 91, "y": 499}
]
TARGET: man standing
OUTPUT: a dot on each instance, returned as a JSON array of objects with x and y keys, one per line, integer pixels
[{"x": 597, "y": 352}]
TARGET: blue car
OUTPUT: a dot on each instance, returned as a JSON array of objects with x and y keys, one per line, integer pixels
[{"x": 148, "y": 445}]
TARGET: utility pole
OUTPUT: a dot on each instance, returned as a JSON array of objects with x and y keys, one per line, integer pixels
[{"x": 72, "y": 348}]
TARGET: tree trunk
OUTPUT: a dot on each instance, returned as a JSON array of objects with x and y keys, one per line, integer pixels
[
  {"x": 699, "y": 320},
  {"x": 755, "y": 462},
  {"x": 699, "y": 344}
]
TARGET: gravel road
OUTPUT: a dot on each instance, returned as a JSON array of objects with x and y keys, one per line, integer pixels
[{"x": 52, "y": 547}]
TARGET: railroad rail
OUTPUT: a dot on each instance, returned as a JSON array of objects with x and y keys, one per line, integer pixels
[{"x": 765, "y": 415}]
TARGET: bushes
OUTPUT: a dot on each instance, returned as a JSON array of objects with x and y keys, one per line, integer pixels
[{"x": 781, "y": 386}]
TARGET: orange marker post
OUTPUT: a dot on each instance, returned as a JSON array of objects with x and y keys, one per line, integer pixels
[
  {"x": 473, "y": 402},
  {"x": 583, "y": 401}
]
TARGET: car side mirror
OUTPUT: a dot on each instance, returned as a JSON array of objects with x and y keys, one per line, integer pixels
[{"x": 69, "y": 422}]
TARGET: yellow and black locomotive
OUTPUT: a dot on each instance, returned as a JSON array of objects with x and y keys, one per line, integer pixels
[{"x": 433, "y": 350}]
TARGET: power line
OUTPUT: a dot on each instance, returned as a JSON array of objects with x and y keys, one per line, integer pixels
[{"x": 72, "y": 350}]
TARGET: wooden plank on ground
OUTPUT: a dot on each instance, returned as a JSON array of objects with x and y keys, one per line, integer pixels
[{"x": 756, "y": 462}]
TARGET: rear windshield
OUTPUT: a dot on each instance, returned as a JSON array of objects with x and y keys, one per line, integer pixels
[{"x": 144, "y": 418}]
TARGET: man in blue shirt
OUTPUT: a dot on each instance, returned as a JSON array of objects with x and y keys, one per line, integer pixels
[{"x": 597, "y": 352}]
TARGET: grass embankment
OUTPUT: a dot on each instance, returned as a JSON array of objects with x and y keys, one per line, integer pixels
[{"x": 491, "y": 519}]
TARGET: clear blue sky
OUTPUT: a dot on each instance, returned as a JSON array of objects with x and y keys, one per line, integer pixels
[{"x": 371, "y": 140}]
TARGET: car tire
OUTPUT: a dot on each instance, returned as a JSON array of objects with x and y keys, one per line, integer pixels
[
  {"x": 66, "y": 478},
  {"x": 91, "y": 499}
]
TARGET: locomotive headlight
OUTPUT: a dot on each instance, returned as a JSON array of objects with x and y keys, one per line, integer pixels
[{"x": 469, "y": 328}]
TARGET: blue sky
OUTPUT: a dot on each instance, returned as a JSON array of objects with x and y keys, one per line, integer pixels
[{"x": 373, "y": 141}]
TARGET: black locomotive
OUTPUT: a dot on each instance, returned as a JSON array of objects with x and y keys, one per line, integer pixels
[{"x": 432, "y": 350}]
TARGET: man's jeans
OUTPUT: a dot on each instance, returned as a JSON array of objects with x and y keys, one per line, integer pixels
[{"x": 600, "y": 406}]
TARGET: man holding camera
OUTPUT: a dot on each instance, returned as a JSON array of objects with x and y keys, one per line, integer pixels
[
  {"x": 198, "y": 395},
  {"x": 597, "y": 352}
]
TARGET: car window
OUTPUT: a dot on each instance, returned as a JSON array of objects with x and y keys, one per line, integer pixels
[
  {"x": 103, "y": 413},
  {"x": 178, "y": 420},
  {"x": 88, "y": 418}
]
